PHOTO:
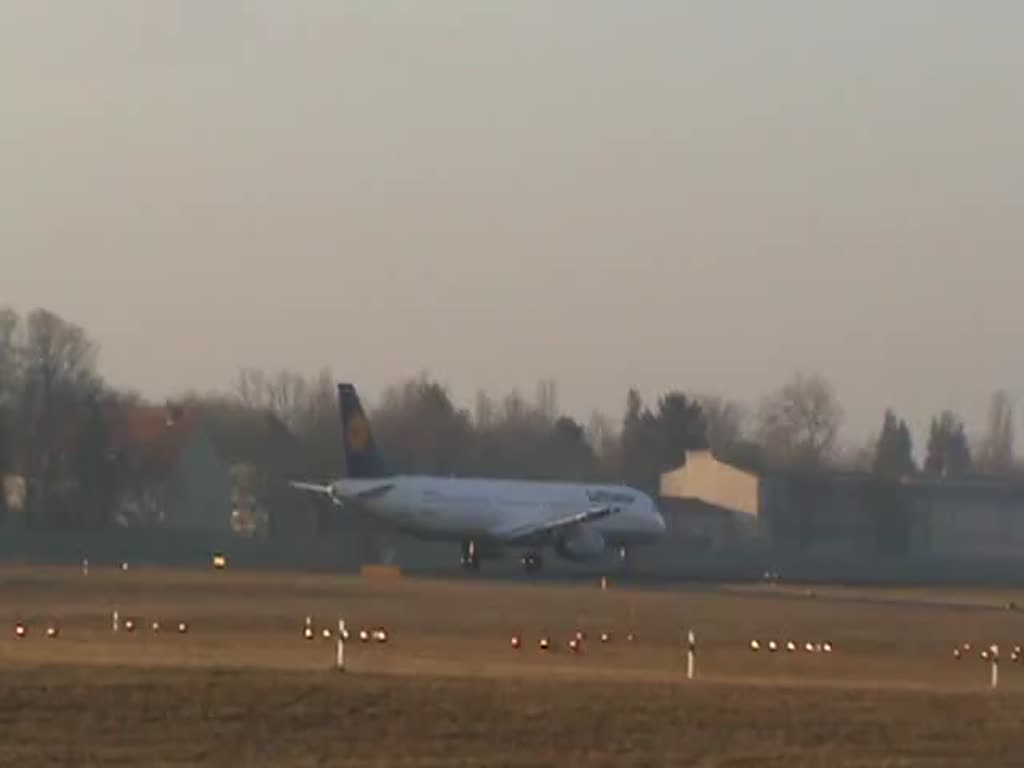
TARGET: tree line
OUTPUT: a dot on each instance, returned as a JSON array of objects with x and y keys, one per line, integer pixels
[{"x": 56, "y": 430}]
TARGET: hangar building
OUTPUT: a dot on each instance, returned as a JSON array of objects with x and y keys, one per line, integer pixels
[{"x": 836, "y": 514}]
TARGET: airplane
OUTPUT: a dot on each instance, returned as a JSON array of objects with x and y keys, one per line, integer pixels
[{"x": 579, "y": 521}]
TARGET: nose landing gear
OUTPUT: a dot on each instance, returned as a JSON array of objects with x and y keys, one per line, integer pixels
[{"x": 470, "y": 557}]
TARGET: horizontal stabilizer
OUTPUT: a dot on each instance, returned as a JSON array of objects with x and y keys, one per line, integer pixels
[
  {"x": 343, "y": 494},
  {"x": 314, "y": 487}
]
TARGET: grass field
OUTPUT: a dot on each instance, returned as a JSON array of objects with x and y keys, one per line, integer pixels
[{"x": 243, "y": 687}]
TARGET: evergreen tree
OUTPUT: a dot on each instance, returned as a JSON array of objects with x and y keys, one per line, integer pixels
[
  {"x": 959, "y": 459},
  {"x": 894, "y": 452},
  {"x": 653, "y": 443},
  {"x": 949, "y": 454},
  {"x": 639, "y": 444},
  {"x": 681, "y": 428}
]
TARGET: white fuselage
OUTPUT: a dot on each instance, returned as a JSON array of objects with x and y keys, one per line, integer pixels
[{"x": 486, "y": 509}]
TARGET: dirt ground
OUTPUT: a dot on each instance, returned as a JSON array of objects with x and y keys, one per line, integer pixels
[{"x": 243, "y": 687}]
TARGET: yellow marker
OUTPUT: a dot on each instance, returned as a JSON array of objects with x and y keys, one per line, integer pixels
[{"x": 358, "y": 432}]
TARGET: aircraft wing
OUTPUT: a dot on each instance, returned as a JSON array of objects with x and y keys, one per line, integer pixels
[
  {"x": 368, "y": 493},
  {"x": 546, "y": 527}
]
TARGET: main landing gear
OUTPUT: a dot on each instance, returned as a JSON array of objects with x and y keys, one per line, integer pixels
[
  {"x": 470, "y": 556},
  {"x": 532, "y": 562}
]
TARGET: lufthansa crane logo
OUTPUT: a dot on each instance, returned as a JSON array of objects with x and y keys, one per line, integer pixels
[{"x": 358, "y": 433}]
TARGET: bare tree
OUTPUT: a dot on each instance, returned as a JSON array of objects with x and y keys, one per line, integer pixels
[
  {"x": 603, "y": 438},
  {"x": 59, "y": 374},
  {"x": 420, "y": 426},
  {"x": 287, "y": 395},
  {"x": 10, "y": 356},
  {"x": 799, "y": 424},
  {"x": 250, "y": 388},
  {"x": 858, "y": 457},
  {"x": 517, "y": 416},
  {"x": 485, "y": 411},
  {"x": 547, "y": 401},
  {"x": 996, "y": 451},
  {"x": 724, "y": 420},
  {"x": 318, "y": 427},
  {"x": 9, "y": 386}
]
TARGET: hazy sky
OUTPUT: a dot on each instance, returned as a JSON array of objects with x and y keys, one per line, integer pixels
[{"x": 660, "y": 193}]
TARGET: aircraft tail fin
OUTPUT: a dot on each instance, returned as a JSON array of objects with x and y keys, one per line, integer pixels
[{"x": 362, "y": 459}]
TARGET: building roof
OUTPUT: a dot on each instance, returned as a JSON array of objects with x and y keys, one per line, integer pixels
[
  {"x": 155, "y": 433},
  {"x": 158, "y": 432},
  {"x": 256, "y": 437},
  {"x": 837, "y": 476}
]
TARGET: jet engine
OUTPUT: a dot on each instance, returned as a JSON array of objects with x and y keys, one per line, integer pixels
[{"x": 582, "y": 544}]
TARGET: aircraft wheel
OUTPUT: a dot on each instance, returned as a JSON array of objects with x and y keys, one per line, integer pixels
[
  {"x": 470, "y": 558},
  {"x": 532, "y": 562}
]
